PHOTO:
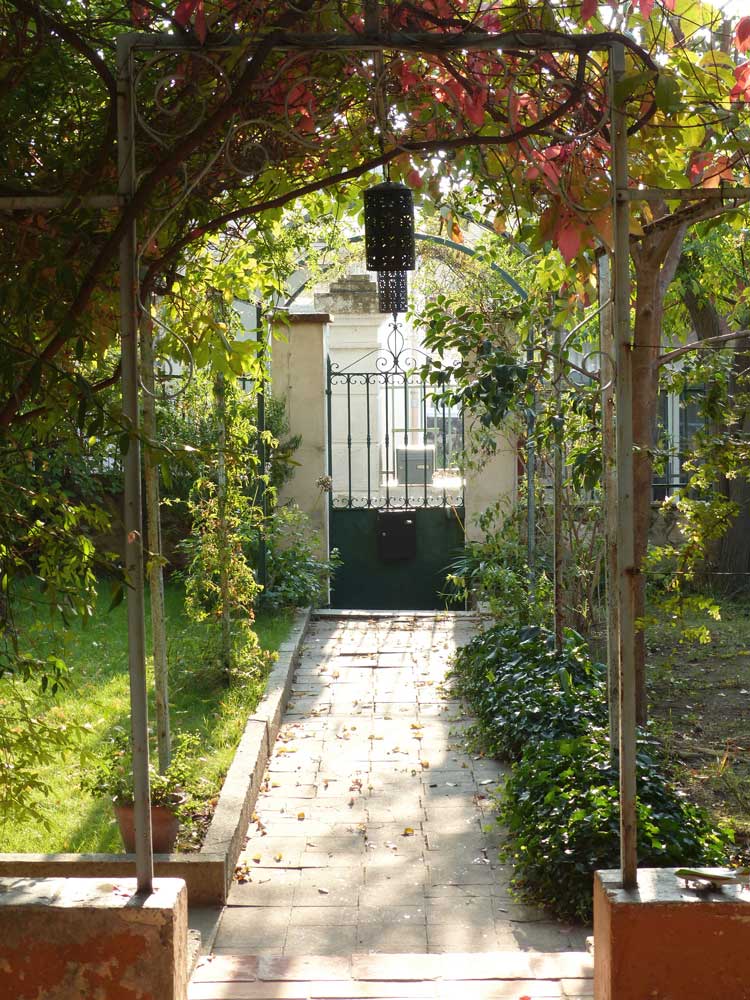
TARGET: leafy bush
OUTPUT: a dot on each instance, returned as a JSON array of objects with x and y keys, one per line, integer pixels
[
  {"x": 295, "y": 576},
  {"x": 523, "y": 691},
  {"x": 112, "y": 776},
  {"x": 30, "y": 740},
  {"x": 546, "y": 710},
  {"x": 494, "y": 571},
  {"x": 561, "y": 808}
]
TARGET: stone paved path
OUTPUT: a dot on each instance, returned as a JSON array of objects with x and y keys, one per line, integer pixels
[{"x": 374, "y": 832}]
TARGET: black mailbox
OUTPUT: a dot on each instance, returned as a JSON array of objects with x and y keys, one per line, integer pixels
[{"x": 397, "y": 535}]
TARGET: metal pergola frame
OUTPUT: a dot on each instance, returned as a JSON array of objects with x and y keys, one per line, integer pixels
[{"x": 622, "y": 196}]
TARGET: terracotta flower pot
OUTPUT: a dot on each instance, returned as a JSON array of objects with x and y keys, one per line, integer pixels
[{"x": 164, "y": 827}]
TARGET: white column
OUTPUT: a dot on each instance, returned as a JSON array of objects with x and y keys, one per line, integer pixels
[{"x": 298, "y": 374}]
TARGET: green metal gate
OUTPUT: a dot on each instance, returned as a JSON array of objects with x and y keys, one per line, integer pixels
[{"x": 397, "y": 491}]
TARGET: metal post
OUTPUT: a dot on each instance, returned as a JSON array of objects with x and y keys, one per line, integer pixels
[
  {"x": 609, "y": 485},
  {"x": 406, "y": 439},
  {"x": 155, "y": 567},
  {"x": 263, "y": 354},
  {"x": 369, "y": 441},
  {"x": 224, "y": 543},
  {"x": 625, "y": 540},
  {"x": 558, "y": 491},
  {"x": 531, "y": 484},
  {"x": 133, "y": 515}
]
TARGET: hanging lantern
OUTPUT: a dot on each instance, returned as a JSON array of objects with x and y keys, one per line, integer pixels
[
  {"x": 389, "y": 228},
  {"x": 392, "y": 292}
]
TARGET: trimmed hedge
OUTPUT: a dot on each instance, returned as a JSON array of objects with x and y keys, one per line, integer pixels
[{"x": 546, "y": 712}]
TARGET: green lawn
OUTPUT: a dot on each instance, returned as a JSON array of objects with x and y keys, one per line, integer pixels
[{"x": 98, "y": 696}]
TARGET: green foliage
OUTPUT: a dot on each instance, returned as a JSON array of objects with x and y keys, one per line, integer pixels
[
  {"x": 561, "y": 808},
  {"x": 545, "y": 711},
  {"x": 45, "y": 535},
  {"x": 96, "y": 699},
  {"x": 280, "y": 457},
  {"x": 216, "y": 544},
  {"x": 473, "y": 365},
  {"x": 112, "y": 775},
  {"x": 524, "y": 692},
  {"x": 494, "y": 571},
  {"x": 32, "y": 737},
  {"x": 296, "y": 576}
]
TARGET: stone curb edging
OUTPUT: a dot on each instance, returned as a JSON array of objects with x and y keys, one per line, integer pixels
[
  {"x": 208, "y": 873},
  {"x": 227, "y": 831}
]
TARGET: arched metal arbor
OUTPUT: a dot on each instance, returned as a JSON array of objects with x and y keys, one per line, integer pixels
[{"x": 132, "y": 50}]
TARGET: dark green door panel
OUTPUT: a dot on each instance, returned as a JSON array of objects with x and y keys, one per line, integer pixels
[{"x": 367, "y": 581}]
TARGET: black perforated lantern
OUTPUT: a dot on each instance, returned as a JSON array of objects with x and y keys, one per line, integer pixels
[
  {"x": 389, "y": 228},
  {"x": 392, "y": 292}
]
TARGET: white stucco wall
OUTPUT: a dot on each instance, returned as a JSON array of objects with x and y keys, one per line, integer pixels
[{"x": 298, "y": 374}]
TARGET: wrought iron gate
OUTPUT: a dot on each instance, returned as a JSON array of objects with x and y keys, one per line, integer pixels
[{"x": 397, "y": 490}]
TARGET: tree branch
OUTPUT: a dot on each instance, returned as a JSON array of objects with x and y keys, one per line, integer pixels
[{"x": 698, "y": 345}]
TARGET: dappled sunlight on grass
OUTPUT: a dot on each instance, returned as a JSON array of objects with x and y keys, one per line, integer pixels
[{"x": 97, "y": 697}]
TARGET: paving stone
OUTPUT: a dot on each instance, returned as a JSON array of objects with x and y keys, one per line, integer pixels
[
  {"x": 397, "y": 967},
  {"x": 468, "y": 911},
  {"x": 220, "y": 969},
  {"x": 386, "y": 893},
  {"x": 391, "y": 939},
  {"x": 577, "y": 989},
  {"x": 457, "y": 891},
  {"x": 578, "y": 937},
  {"x": 443, "y": 873},
  {"x": 323, "y": 916},
  {"x": 446, "y": 938},
  {"x": 404, "y": 816},
  {"x": 547, "y": 936},
  {"x": 349, "y": 844},
  {"x": 303, "y": 968},
  {"x": 518, "y": 912},
  {"x": 250, "y": 930},
  {"x": 327, "y": 887},
  {"x": 393, "y": 915},
  {"x": 274, "y": 888},
  {"x": 528, "y": 989},
  {"x": 333, "y": 940},
  {"x": 366, "y": 751}
]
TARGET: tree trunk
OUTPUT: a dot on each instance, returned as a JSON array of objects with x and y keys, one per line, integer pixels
[
  {"x": 155, "y": 562},
  {"x": 656, "y": 260},
  {"x": 609, "y": 484},
  {"x": 559, "y": 555},
  {"x": 225, "y": 542}
]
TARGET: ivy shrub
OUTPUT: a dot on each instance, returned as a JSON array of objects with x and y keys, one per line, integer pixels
[
  {"x": 523, "y": 691},
  {"x": 561, "y": 809},
  {"x": 546, "y": 711}
]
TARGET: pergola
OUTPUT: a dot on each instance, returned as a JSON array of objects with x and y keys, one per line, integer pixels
[{"x": 136, "y": 50}]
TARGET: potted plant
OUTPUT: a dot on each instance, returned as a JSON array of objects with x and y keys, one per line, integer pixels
[{"x": 112, "y": 778}]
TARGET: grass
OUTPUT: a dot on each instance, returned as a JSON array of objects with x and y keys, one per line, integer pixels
[
  {"x": 98, "y": 697},
  {"x": 700, "y": 703}
]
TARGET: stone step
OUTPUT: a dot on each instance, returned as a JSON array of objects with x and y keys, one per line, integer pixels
[{"x": 470, "y": 976}]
